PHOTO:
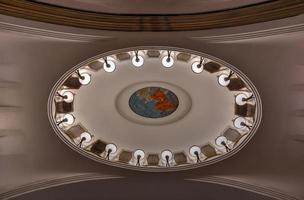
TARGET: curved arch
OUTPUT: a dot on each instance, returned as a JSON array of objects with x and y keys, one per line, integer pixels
[
  {"x": 87, "y": 187},
  {"x": 49, "y": 183},
  {"x": 263, "y": 12},
  {"x": 263, "y": 190}
]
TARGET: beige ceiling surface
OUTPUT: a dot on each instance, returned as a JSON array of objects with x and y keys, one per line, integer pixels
[
  {"x": 270, "y": 54},
  {"x": 211, "y": 107},
  {"x": 152, "y": 6}
]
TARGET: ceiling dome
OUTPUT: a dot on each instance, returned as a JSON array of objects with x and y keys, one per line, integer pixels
[{"x": 155, "y": 109}]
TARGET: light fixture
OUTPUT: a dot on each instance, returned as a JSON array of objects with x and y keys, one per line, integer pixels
[
  {"x": 241, "y": 99},
  {"x": 109, "y": 66},
  {"x": 137, "y": 60},
  {"x": 67, "y": 96},
  {"x": 197, "y": 67},
  {"x": 224, "y": 79},
  {"x": 195, "y": 151},
  {"x": 110, "y": 148},
  {"x": 167, "y": 156},
  {"x": 67, "y": 119},
  {"x": 84, "y": 78},
  {"x": 168, "y": 60},
  {"x": 240, "y": 123},
  {"x": 139, "y": 155},
  {"x": 222, "y": 141},
  {"x": 84, "y": 138}
]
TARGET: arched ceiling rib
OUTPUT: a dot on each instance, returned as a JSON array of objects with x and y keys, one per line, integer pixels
[
  {"x": 138, "y": 7},
  {"x": 120, "y": 189},
  {"x": 183, "y": 22}
]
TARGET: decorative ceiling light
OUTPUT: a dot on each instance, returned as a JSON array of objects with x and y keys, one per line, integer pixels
[
  {"x": 197, "y": 67},
  {"x": 224, "y": 79},
  {"x": 67, "y": 119},
  {"x": 241, "y": 99},
  {"x": 222, "y": 141},
  {"x": 137, "y": 60},
  {"x": 195, "y": 151},
  {"x": 168, "y": 60},
  {"x": 85, "y": 137},
  {"x": 84, "y": 78},
  {"x": 139, "y": 155},
  {"x": 146, "y": 102},
  {"x": 167, "y": 156},
  {"x": 67, "y": 96},
  {"x": 109, "y": 66},
  {"x": 241, "y": 123},
  {"x": 110, "y": 149}
]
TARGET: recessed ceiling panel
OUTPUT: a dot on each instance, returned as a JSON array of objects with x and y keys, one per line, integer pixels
[{"x": 155, "y": 108}]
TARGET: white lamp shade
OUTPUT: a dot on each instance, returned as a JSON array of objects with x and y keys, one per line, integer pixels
[
  {"x": 167, "y": 63},
  {"x": 166, "y": 153},
  {"x": 86, "y": 136},
  {"x": 139, "y": 153},
  {"x": 219, "y": 140},
  {"x": 69, "y": 119},
  {"x": 86, "y": 79},
  {"x": 239, "y": 99},
  {"x": 110, "y": 67},
  {"x": 222, "y": 80},
  {"x": 112, "y": 147},
  {"x": 138, "y": 61},
  {"x": 194, "y": 149},
  {"x": 197, "y": 68},
  {"x": 238, "y": 122},
  {"x": 68, "y": 96}
]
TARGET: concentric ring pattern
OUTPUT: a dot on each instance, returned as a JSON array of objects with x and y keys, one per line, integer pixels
[{"x": 155, "y": 109}]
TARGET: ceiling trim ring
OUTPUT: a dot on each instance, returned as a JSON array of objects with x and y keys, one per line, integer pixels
[
  {"x": 151, "y": 169},
  {"x": 94, "y": 37},
  {"x": 271, "y": 10},
  {"x": 263, "y": 190},
  {"x": 251, "y": 35},
  {"x": 53, "y": 34},
  {"x": 53, "y": 182}
]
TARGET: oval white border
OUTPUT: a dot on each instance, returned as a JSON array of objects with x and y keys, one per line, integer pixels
[{"x": 156, "y": 169}]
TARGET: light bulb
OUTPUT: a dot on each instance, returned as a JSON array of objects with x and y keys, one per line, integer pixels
[
  {"x": 166, "y": 154},
  {"x": 137, "y": 61},
  {"x": 85, "y": 78},
  {"x": 139, "y": 153},
  {"x": 167, "y": 61},
  {"x": 68, "y": 119},
  {"x": 240, "y": 99},
  {"x": 86, "y": 137},
  {"x": 219, "y": 141},
  {"x": 194, "y": 150},
  {"x": 109, "y": 66},
  {"x": 111, "y": 147},
  {"x": 239, "y": 122},
  {"x": 222, "y": 80},
  {"x": 197, "y": 67},
  {"x": 68, "y": 96}
]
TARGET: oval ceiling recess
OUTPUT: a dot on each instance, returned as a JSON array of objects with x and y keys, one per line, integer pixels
[{"x": 155, "y": 109}]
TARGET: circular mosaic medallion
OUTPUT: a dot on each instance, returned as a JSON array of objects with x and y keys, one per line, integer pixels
[{"x": 153, "y": 102}]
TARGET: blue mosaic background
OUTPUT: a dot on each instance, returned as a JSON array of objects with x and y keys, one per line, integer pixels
[{"x": 153, "y": 102}]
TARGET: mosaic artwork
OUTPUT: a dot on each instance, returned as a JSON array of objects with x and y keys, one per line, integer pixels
[{"x": 153, "y": 102}]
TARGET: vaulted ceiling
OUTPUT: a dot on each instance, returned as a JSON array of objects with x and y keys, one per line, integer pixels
[{"x": 36, "y": 164}]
